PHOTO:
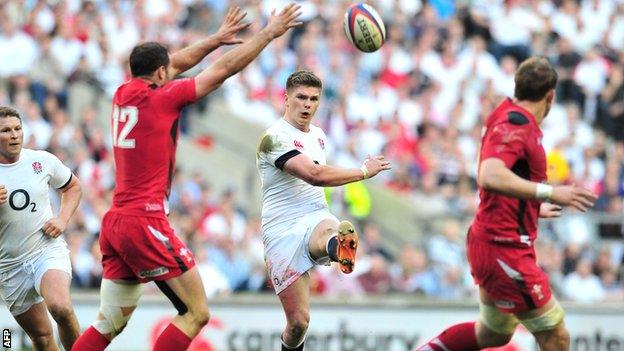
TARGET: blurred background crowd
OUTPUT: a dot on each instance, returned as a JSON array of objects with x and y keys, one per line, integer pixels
[{"x": 420, "y": 101}]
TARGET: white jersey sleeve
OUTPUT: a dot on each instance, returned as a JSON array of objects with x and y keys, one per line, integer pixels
[
  {"x": 60, "y": 175},
  {"x": 277, "y": 148},
  {"x": 285, "y": 198},
  {"x": 28, "y": 182}
]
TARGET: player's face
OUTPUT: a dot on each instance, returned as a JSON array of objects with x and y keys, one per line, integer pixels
[
  {"x": 301, "y": 104},
  {"x": 11, "y": 139}
]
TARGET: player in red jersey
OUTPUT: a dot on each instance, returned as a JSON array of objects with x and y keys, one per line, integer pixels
[
  {"x": 512, "y": 172},
  {"x": 137, "y": 242}
]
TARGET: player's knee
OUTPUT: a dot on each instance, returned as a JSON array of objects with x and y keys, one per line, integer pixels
[
  {"x": 297, "y": 329},
  {"x": 562, "y": 336},
  {"x": 550, "y": 322},
  {"x": 42, "y": 341},
  {"x": 489, "y": 338},
  {"x": 495, "y": 328},
  {"x": 200, "y": 316},
  {"x": 555, "y": 339},
  {"x": 501, "y": 340},
  {"x": 549, "y": 329},
  {"x": 118, "y": 301},
  {"x": 41, "y": 337},
  {"x": 298, "y": 325},
  {"x": 61, "y": 312},
  {"x": 111, "y": 321}
]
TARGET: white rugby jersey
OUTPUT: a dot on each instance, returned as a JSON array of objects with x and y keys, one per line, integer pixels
[
  {"x": 285, "y": 198},
  {"x": 28, "y": 182}
]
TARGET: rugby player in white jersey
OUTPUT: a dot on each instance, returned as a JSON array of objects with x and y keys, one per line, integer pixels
[
  {"x": 297, "y": 228},
  {"x": 35, "y": 271}
]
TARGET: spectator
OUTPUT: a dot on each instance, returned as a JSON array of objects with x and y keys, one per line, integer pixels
[
  {"x": 374, "y": 241},
  {"x": 582, "y": 285},
  {"x": 411, "y": 273},
  {"x": 447, "y": 249},
  {"x": 20, "y": 50},
  {"x": 339, "y": 285},
  {"x": 214, "y": 280},
  {"x": 226, "y": 222},
  {"x": 230, "y": 262},
  {"x": 376, "y": 280}
]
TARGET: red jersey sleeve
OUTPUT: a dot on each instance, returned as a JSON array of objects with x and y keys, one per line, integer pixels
[
  {"x": 177, "y": 93},
  {"x": 506, "y": 142}
]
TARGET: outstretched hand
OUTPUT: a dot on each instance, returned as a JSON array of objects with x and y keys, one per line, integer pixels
[
  {"x": 286, "y": 19},
  {"x": 574, "y": 196},
  {"x": 231, "y": 26},
  {"x": 376, "y": 164}
]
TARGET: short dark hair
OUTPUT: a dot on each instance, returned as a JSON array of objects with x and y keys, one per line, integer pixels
[
  {"x": 534, "y": 79},
  {"x": 147, "y": 57},
  {"x": 6, "y": 111},
  {"x": 303, "y": 78}
]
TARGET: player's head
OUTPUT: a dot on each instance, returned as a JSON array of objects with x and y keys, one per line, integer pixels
[
  {"x": 535, "y": 81},
  {"x": 303, "y": 94},
  {"x": 11, "y": 135},
  {"x": 150, "y": 60}
]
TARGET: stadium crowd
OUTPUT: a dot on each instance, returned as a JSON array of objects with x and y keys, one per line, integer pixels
[{"x": 420, "y": 101}]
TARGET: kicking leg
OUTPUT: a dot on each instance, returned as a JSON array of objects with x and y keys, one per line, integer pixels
[
  {"x": 295, "y": 302},
  {"x": 54, "y": 289},
  {"x": 339, "y": 241},
  {"x": 187, "y": 294},
  {"x": 36, "y": 324},
  {"x": 118, "y": 299}
]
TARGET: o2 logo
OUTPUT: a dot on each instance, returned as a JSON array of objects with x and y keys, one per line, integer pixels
[{"x": 19, "y": 200}]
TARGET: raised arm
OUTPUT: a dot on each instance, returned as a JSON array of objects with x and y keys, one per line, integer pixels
[
  {"x": 496, "y": 177},
  {"x": 70, "y": 198},
  {"x": 186, "y": 58},
  {"x": 302, "y": 167},
  {"x": 235, "y": 60}
]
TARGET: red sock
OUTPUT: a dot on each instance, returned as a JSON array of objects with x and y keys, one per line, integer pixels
[
  {"x": 460, "y": 337},
  {"x": 172, "y": 339},
  {"x": 91, "y": 340}
]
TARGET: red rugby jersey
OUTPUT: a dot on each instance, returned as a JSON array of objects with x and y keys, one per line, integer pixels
[
  {"x": 145, "y": 134},
  {"x": 511, "y": 135}
]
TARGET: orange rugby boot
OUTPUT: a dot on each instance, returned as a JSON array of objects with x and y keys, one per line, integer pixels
[{"x": 347, "y": 246}]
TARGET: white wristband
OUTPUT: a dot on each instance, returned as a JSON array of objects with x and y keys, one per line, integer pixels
[
  {"x": 543, "y": 191},
  {"x": 364, "y": 170}
]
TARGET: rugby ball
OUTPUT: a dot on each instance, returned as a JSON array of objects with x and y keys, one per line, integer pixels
[{"x": 364, "y": 27}]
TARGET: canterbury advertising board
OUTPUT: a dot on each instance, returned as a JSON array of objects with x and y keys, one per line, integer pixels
[{"x": 379, "y": 326}]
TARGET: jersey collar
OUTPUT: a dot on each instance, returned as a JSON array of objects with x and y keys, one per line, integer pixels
[{"x": 21, "y": 156}]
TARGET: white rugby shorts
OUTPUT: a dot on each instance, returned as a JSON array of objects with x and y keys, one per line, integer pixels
[
  {"x": 20, "y": 286},
  {"x": 286, "y": 250}
]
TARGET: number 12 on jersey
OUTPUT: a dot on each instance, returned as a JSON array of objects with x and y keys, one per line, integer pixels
[{"x": 129, "y": 115}]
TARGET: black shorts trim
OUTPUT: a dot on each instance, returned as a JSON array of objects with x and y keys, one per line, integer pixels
[
  {"x": 183, "y": 267},
  {"x": 180, "y": 263},
  {"x": 525, "y": 296},
  {"x": 177, "y": 258},
  {"x": 528, "y": 300},
  {"x": 281, "y": 161}
]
